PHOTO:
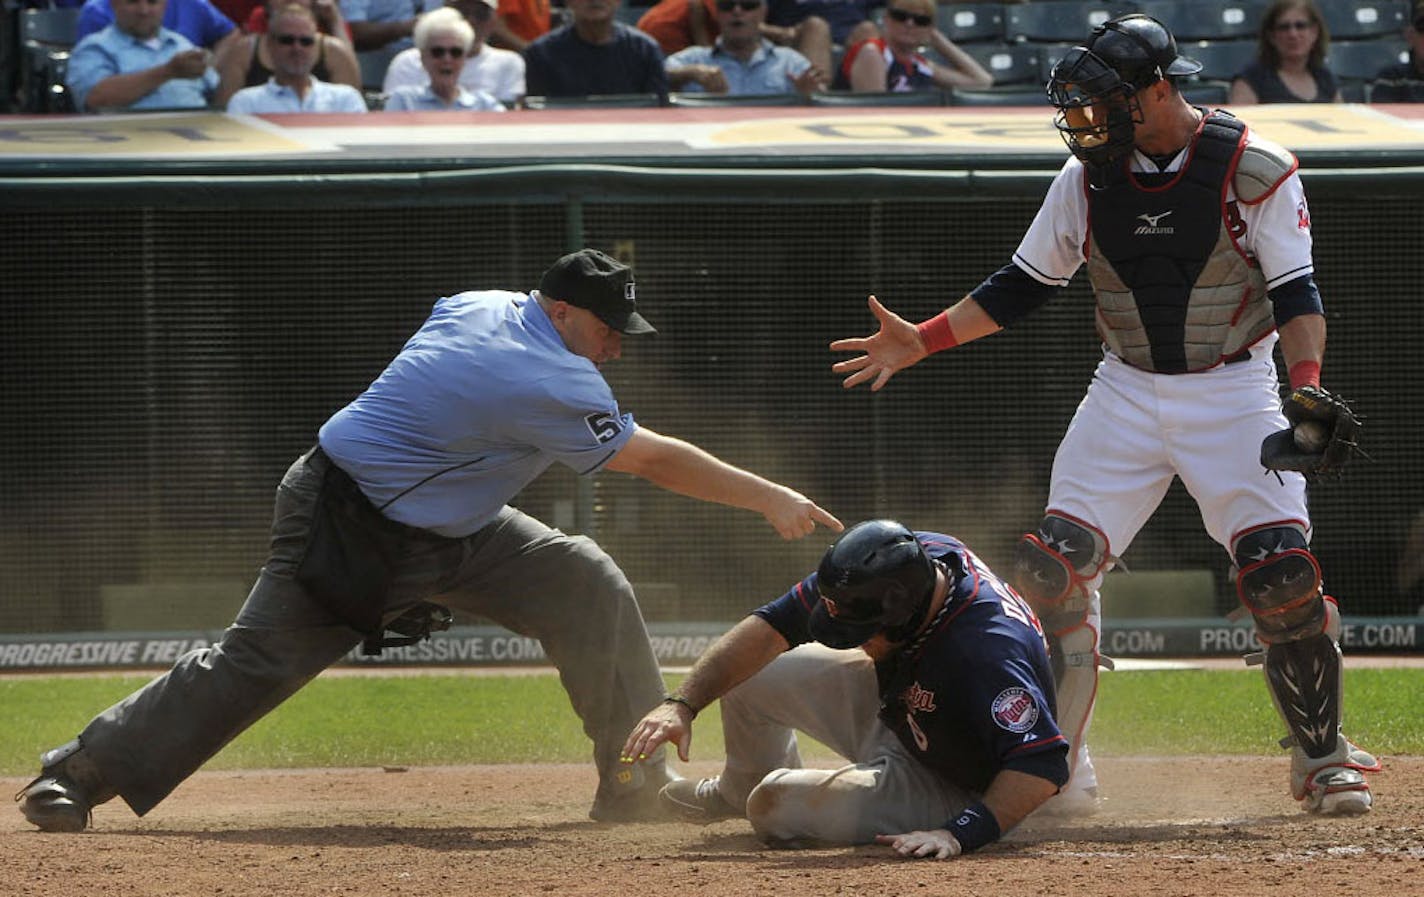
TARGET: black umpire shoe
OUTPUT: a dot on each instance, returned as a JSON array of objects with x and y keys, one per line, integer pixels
[
  {"x": 635, "y": 800},
  {"x": 68, "y": 789},
  {"x": 700, "y": 801}
]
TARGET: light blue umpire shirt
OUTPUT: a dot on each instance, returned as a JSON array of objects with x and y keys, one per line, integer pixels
[
  {"x": 480, "y": 401},
  {"x": 110, "y": 52},
  {"x": 769, "y": 71}
]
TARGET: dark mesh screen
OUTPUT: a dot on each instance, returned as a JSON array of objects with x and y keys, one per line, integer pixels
[{"x": 163, "y": 367}]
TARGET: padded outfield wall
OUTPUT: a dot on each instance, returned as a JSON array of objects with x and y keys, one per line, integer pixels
[{"x": 169, "y": 343}]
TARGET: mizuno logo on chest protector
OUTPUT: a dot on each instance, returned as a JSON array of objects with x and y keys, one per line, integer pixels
[{"x": 1154, "y": 225}]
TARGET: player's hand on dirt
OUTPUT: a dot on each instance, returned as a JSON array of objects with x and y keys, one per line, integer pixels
[
  {"x": 938, "y": 843},
  {"x": 669, "y": 722},
  {"x": 793, "y": 515},
  {"x": 894, "y": 347}
]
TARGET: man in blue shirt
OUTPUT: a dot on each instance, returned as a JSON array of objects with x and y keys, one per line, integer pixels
[
  {"x": 945, "y": 710},
  {"x": 198, "y": 20},
  {"x": 292, "y": 87},
  {"x": 405, "y": 498},
  {"x": 742, "y": 61},
  {"x": 595, "y": 55},
  {"x": 136, "y": 63}
]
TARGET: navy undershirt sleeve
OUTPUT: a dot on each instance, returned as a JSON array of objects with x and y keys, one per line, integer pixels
[
  {"x": 1010, "y": 293},
  {"x": 1296, "y": 297}
]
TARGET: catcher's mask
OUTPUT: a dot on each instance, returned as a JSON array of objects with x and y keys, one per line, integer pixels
[
  {"x": 1095, "y": 86},
  {"x": 876, "y": 577}
]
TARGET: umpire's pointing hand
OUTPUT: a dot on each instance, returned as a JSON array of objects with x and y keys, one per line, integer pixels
[
  {"x": 896, "y": 346},
  {"x": 670, "y": 722},
  {"x": 793, "y": 515}
]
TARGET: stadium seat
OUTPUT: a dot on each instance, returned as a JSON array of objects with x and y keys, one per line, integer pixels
[
  {"x": 1394, "y": 92},
  {"x": 1221, "y": 60},
  {"x": 1003, "y": 96},
  {"x": 969, "y": 22},
  {"x": 1365, "y": 19},
  {"x": 1008, "y": 63},
  {"x": 1059, "y": 20},
  {"x": 1196, "y": 20},
  {"x": 691, "y": 100},
  {"x": 902, "y": 98},
  {"x": 598, "y": 101},
  {"x": 46, "y": 35},
  {"x": 1362, "y": 60},
  {"x": 1206, "y": 93},
  {"x": 373, "y": 65}
]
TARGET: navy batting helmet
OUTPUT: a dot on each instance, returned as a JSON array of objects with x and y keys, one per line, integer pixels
[
  {"x": 1095, "y": 85},
  {"x": 876, "y": 577}
]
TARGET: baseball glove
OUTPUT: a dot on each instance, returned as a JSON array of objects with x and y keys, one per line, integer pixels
[{"x": 1322, "y": 438}]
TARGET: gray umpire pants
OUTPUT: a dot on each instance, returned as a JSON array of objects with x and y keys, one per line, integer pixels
[
  {"x": 834, "y": 698},
  {"x": 535, "y": 580}
]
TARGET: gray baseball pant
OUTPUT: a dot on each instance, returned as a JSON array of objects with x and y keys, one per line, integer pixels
[
  {"x": 834, "y": 698},
  {"x": 562, "y": 590}
]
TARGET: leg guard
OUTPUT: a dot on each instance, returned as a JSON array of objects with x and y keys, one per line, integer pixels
[
  {"x": 1058, "y": 569},
  {"x": 1278, "y": 580}
]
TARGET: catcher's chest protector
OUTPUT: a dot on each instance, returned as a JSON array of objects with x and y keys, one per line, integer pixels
[{"x": 1175, "y": 293}]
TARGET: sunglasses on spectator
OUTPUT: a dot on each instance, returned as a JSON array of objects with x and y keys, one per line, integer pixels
[
  {"x": 287, "y": 40},
  {"x": 901, "y": 15},
  {"x": 743, "y": 5},
  {"x": 1297, "y": 25},
  {"x": 442, "y": 52}
]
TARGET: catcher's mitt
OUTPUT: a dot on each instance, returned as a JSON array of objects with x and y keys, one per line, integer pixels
[{"x": 1314, "y": 408}]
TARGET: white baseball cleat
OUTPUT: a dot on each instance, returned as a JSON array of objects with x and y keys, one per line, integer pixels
[{"x": 1337, "y": 791}]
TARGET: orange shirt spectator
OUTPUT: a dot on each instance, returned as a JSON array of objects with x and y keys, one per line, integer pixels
[
  {"x": 678, "y": 24},
  {"x": 519, "y": 23}
]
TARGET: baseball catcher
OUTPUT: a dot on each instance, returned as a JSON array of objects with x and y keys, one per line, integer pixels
[{"x": 1195, "y": 233}]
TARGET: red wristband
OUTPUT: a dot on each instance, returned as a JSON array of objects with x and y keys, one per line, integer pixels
[
  {"x": 1304, "y": 373},
  {"x": 935, "y": 333}
]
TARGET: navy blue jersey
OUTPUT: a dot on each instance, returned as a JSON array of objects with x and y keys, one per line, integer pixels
[{"x": 976, "y": 695}]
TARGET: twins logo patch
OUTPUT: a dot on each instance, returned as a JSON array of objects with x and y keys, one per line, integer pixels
[{"x": 1015, "y": 710}]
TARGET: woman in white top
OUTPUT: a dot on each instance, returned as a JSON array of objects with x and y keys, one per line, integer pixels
[{"x": 443, "y": 38}]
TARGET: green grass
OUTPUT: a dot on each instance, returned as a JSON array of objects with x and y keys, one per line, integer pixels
[{"x": 444, "y": 719}]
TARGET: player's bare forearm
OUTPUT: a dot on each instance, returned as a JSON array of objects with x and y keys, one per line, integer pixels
[
  {"x": 1012, "y": 795},
  {"x": 1302, "y": 338},
  {"x": 740, "y": 653},
  {"x": 898, "y": 344},
  {"x": 684, "y": 468}
]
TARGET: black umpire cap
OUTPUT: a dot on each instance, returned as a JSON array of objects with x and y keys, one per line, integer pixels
[{"x": 600, "y": 283}]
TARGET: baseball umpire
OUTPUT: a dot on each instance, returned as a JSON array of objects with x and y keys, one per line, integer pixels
[
  {"x": 945, "y": 712},
  {"x": 1196, "y": 237},
  {"x": 403, "y": 500}
]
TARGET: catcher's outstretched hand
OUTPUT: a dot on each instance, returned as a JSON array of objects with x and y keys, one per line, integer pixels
[
  {"x": 667, "y": 722},
  {"x": 894, "y": 347}
]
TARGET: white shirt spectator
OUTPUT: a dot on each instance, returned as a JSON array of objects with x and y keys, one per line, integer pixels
[
  {"x": 494, "y": 71},
  {"x": 423, "y": 99},
  {"x": 272, "y": 98}
]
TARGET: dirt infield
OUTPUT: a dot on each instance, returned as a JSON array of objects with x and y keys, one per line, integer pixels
[{"x": 1188, "y": 827}]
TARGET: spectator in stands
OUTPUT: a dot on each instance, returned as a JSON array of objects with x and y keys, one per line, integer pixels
[
  {"x": 202, "y": 23},
  {"x": 1403, "y": 82},
  {"x": 679, "y": 24},
  {"x": 742, "y": 61},
  {"x": 518, "y": 23},
  {"x": 329, "y": 20},
  {"x": 1290, "y": 59},
  {"x": 294, "y": 40},
  {"x": 594, "y": 55},
  {"x": 894, "y": 63},
  {"x": 250, "y": 62},
  {"x": 442, "y": 40},
  {"x": 486, "y": 69},
  {"x": 815, "y": 26},
  {"x": 136, "y": 63},
  {"x": 1409, "y": 571},
  {"x": 381, "y": 28}
]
